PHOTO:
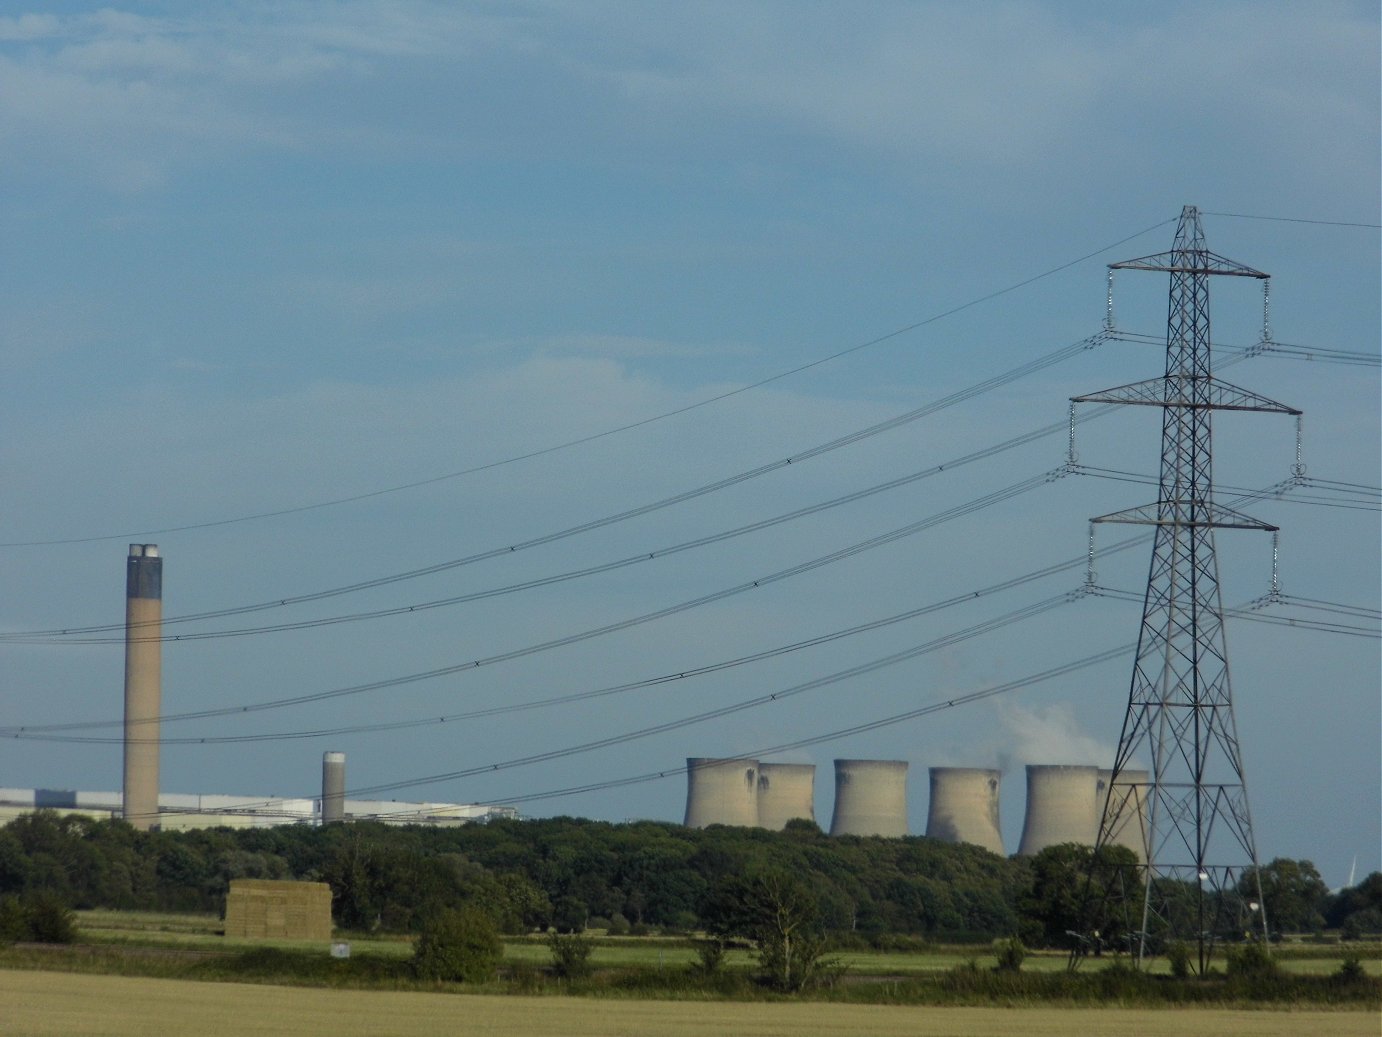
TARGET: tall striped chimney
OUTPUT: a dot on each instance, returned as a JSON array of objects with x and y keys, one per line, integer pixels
[{"x": 143, "y": 683}]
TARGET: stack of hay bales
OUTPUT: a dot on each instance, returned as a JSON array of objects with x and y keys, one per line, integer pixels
[{"x": 265, "y": 909}]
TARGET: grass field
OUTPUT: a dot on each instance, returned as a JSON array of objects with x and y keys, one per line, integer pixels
[
  {"x": 41, "y": 1004},
  {"x": 202, "y": 932}
]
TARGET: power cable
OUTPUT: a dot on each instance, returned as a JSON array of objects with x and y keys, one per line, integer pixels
[
  {"x": 944, "y": 641},
  {"x": 466, "y": 666},
  {"x": 68, "y": 635},
  {"x": 802, "y": 743},
  {"x": 1289, "y": 219},
  {"x": 849, "y": 551},
  {"x": 1288, "y": 494},
  {"x": 608, "y": 432},
  {"x": 1250, "y": 612},
  {"x": 962, "y": 395},
  {"x": 1265, "y": 347}
]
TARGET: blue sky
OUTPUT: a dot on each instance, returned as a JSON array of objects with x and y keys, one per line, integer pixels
[{"x": 264, "y": 256}]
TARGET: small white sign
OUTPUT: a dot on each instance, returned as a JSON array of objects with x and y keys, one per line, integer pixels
[{"x": 340, "y": 950}]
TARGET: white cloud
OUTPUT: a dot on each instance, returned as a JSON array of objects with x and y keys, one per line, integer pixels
[
  {"x": 28, "y": 27},
  {"x": 1014, "y": 87}
]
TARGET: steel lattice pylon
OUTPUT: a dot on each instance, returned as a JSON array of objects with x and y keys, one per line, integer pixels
[{"x": 1192, "y": 806}]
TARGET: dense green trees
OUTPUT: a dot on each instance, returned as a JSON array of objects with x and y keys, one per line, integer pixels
[
  {"x": 1357, "y": 911},
  {"x": 1293, "y": 895},
  {"x": 561, "y": 871},
  {"x": 1067, "y": 895}
]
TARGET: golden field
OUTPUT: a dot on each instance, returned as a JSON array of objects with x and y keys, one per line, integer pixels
[{"x": 44, "y": 1004}]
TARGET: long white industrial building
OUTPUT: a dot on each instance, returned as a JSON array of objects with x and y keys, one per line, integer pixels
[{"x": 221, "y": 811}]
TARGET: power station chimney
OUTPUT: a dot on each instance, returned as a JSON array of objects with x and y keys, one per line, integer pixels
[
  {"x": 1129, "y": 805},
  {"x": 721, "y": 792},
  {"x": 143, "y": 683},
  {"x": 964, "y": 807},
  {"x": 870, "y": 798},
  {"x": 333, "y": 787},
  {"x": 785, "y": 791},
  {"x": 1060, "y": 807}
]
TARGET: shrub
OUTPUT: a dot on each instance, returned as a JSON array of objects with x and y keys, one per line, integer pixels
[
  {"x": 458, "y": 946},
  {"x": 1250, "y": 960},
  {"x": 618, "y": 925},
  {"x": 1351, "y": 968},
  {"x": 14, "y": 920},
  {"x": 40, "y": 916},
  {"x": 1178, "y": 957},
  {"x": 570, "y": 954},
  {"x": 1011, "y": 953},
  {"x": 710, "y": 958}
]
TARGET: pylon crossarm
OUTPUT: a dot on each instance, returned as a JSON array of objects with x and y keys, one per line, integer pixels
[
  {"x": 1190, "y": 261},
  {"x": 1211, "y": 516},
  {"x": 1200, "y": 392}
]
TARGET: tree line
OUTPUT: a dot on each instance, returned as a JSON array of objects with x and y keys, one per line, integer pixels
[{"x": 568, "y": 874}]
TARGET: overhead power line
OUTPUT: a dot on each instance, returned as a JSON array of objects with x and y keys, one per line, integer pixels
[
  {"x": 543, "y": 451},
  {"x": 76, "y": 635},
  {"x": 859, "y": 435},
  {"x": 1052, "y": 673},
  {"x": 892, "y": 659},
  {"x": 1294, "y": 219},
  {"x": 1265, "y": 347},
  {"x": 859, "y": 547},
  {"x": 1013, "y": 490}
]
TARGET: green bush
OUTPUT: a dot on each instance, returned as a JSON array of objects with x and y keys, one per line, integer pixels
[
  {"x": 710, "y": 958},
  {"x": 38, "y": 917},
  {"x": 1178, "y": 957},
  {"x": 1250, "y": 961},
  {"x": 1010, "y": 953},
  {"x": 50, "y": 919},
  {"x": 1351, "y": 968},
  {"x": 14, "y": 921},
  {"x": 458, "y": 946},
  {"x": 570, "y": 954}
]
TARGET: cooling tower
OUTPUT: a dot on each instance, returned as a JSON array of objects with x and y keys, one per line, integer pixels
[
  {"x": 1129, "y": 802},
  {"x": 721, "y": 792},
  {"x": 143, "y": 683},
  {"x": 333, "y": 787},
  {"x": 964, "y": 807},
  {"x": 870, "y": 798},
  {"x": 785, "y": 791},
  {"x": 1060, "y": 807}
]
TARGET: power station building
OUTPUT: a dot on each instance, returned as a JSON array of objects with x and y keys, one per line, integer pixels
[
  {"x": 1061, "y": 807},
  {"x": 964, "y": 807},
  {"x": 143, "y": 683},
  {"x": 1065, "y": 803},
  {"x": 870, "y": 798},
  {"x": 721, "y": 792},
  {"x": 176, "y": 812},
  {"x": 786, "y": 791}
]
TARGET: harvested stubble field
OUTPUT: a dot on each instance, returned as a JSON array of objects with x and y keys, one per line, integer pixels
[{"x": 40, "y": 1004}]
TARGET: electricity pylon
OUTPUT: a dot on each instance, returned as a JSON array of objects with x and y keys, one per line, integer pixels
[{"x": 1192, "y": 805}]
